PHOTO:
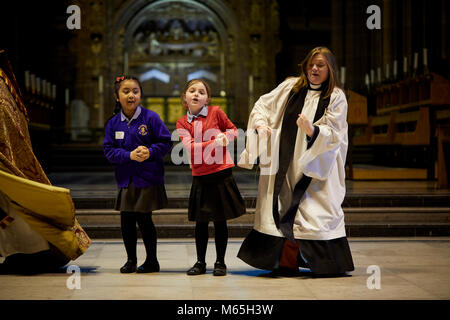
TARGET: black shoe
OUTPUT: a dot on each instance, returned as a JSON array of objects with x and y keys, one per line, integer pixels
[
  {"x": 198, "y": 268},
  {"x": 220, "y": 269},
  {"x": 148, "y": 267},
  {"x": 129, "y": 267}
]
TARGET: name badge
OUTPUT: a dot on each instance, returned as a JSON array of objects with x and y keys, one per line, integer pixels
[{"x": 120, "y": 134}]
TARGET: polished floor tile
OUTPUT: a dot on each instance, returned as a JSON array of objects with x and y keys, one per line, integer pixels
[{"x": 409, "y": 268}]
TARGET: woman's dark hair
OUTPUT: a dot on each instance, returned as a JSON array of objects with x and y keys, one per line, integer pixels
[{"x": 117, "y": 84}]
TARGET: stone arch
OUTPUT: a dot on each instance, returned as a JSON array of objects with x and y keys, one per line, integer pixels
[
  {"x": 136, "y": 12},
  {"x": 219, "y": 10}
]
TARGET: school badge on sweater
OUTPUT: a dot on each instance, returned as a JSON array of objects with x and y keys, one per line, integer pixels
[{"x": 143, "y": 130}]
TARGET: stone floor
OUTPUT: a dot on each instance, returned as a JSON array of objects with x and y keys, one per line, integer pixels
[{"x": 409, "y": 269}]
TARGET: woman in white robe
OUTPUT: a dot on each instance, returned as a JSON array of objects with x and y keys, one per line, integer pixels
[{"x": 299, "y": 132}]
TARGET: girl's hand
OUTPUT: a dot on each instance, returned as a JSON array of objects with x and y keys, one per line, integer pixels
[
  {"x": 305, "y": 125},
  {"x": 140, "y": 154},
  {"x": 133, "y": 155},
  {"x": 143, "y": 152},
  {"x": 221, "y": 140}
]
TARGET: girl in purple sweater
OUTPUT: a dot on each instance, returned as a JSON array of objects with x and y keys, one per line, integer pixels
[{"x": 136, "y": 141}]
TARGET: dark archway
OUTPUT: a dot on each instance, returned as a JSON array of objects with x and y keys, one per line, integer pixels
[{"x": 167, "y": 42}]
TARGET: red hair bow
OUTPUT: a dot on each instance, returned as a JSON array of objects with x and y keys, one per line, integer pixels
[{"x": 118, "y": 79}]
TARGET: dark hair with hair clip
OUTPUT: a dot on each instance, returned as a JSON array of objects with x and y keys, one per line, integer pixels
[{"x": 117, "y": 84}]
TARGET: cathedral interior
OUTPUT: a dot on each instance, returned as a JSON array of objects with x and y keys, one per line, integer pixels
[
  {"x": 393, "y": 60},
  {"x": 395, "y": 74}
]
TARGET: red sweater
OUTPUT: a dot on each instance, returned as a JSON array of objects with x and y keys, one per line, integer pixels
[{"x": 198, "y": 139}]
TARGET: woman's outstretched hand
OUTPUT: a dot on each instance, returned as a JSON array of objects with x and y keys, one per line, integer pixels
[
  {"x": 264, "y": 131},
  {"x": 305, "y": 125}
]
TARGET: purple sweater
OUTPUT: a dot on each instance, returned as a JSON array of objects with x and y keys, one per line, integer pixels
[{"x": 121, "y": 138}]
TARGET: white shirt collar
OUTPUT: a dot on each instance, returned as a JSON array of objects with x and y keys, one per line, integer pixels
[
  {"x": 136, "y": 114},
  {"x": 315, "y": 86},
  {"x": 203, "y": 112}
]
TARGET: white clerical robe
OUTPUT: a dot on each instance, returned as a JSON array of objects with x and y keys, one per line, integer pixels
[{"x": 319, "y": 215}]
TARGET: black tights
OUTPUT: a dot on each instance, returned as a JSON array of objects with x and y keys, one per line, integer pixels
[
  {"x": 129, "y": 234},
  {"x": 220, "y": 235}
]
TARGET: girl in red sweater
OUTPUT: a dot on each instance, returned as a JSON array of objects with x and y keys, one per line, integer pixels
[{"x": 205, "y": 132}]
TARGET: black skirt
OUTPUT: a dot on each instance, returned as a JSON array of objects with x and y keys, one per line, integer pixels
[
  {"x": 146, "y": 199},
  {"x": 215, "y": 197},
  {"x": 263, "y": 251}
]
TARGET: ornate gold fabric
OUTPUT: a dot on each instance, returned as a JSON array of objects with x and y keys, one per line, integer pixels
[
  {"x": 14, "y": 93},
  {"x": 47, "y": 209},
  {"x": 16, "y": 152}
]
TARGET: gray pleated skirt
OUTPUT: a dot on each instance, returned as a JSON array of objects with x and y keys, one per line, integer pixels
[{"x": 146, "y": 199}]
